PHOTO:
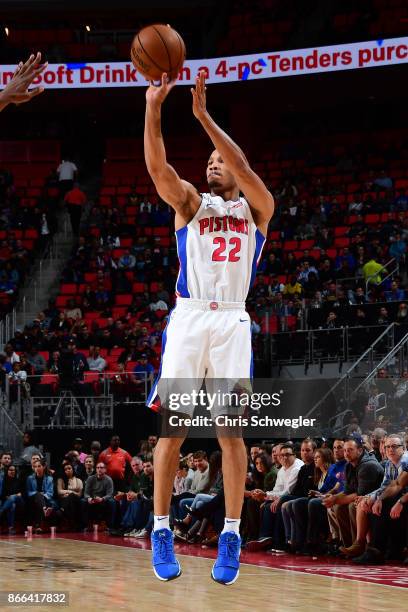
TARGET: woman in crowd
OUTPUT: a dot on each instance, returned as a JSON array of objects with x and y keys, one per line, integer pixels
[
  {"x": 69, "y": 488},
  {"x": 89, "y": 465},
  {"x": 180, "y": 479},
  {"x": 11, "y": 496},
  {"x": 40, "y": 494},
  {"x": 196, "y": 529},
  {"x": 309, "y": 516},
  {"x": 263, "y": 478}
]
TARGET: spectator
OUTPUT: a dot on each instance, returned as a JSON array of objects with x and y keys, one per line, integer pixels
[
  {"x": 37, "y": 361},
  {"x": 397, "y": 457},
  {"x": 264, "y": 478},
  {"x": 195, "y": 529},
  {"x": 398, "y": 248},
  {"x": 69, "y": 489},
  {"x": 66, "y": 171},
  {"x": 53, "y": 362},
  {"x": 72, "y": 311},
  {"x": 372, "y": 271},
  {"x": 157, "y": 304},
  {"x": 75, "y": 199},
  {"x": 5, "y": 460},
  {"x": 77, "y": 446},
  {"x": 11, "y": 355},
  {"x": 383, "y": 181},
  {"x": 293, "y": 287},
  {"x": 117, "y": 461},
  {"x": 95, "y": 450},
  {"x": 309, "y": 514},
  {"x": 11, "y": 496},
  {"x": 89, "y": 465},
  {"x": 395, "y": 293},
  {"x": 127, "y": 261},
  {"x": 198, "y": 485},
  {"x": 180, "y": 479},
  {"x": 28, "y": 452},
  {"x": 143, "y": 371},
  {"x": 152, "y": 440},
  {"x": 98, "y": 502},
  {"x": 95, "y": 361},
  {"x": 388, "y": 517},
  {"x": 128, "y": 498},
  {"x": 40, "y": 494},
  {"x": 383, "y": 317},
  {"x": 78, "y": 467},
  {"x": 363, "y": 474},
  {"x": 285, "y": 483}
]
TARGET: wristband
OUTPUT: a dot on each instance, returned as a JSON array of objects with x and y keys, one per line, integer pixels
[{"x": 401, "y": 502}]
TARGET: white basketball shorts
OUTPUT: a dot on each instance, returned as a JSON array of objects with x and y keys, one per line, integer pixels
[{"x": 203, "y": 340}]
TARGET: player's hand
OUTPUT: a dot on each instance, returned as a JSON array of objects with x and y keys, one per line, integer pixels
[
  {"x": 377, "y": 507},
  {"x": 199, "y": 97},
  {"x": 156, "y": 94},
  {"x": 16, "y": 91}
]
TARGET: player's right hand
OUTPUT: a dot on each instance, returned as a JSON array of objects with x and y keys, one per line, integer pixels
[
  {"x": 17, "y": 90},
  {"x": 156, "y": 94}
]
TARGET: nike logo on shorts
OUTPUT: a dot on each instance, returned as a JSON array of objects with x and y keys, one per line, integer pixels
[{"x": 244, "y": 320}]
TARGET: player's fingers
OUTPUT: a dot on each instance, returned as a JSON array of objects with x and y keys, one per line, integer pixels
[
  {"x": 17, "y": 70},
  {"x": 32, "y": 74},
  {"x": 35, "y": 92},
  {"x": 26, "y": 66},
  {"x": 164, "y": 79}
]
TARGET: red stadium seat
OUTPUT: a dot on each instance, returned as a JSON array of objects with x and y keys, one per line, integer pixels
[
  {"x": 342, "y": 242},
  {"x": 68, "y": 289},
  {"x": 123, "y": 300},
  {"x": 61, "y": 301},
  {"x": 290, "y": 245}
]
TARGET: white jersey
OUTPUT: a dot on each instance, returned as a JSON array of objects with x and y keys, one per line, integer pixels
[{"x": 219, "y": 251}]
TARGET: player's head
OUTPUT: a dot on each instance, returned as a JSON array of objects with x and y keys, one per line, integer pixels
[{"x": 219, "y": 178}]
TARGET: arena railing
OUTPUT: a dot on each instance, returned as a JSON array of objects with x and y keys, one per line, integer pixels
[
  {"x": 368, "y": 356},
  {"x": 318, "y": 346},
  {"x": 83, "y": 403}
]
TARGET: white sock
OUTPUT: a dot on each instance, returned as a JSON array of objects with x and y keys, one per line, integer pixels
[
  {"x": 231, "y": 525},
  {"x": 161, "y": 522}
]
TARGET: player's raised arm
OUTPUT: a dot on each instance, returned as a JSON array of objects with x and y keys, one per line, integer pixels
[
  {"x": 259, "y": 198},
  {"x": 17, "y": 90},
  {"x": 180, "y": 194}
]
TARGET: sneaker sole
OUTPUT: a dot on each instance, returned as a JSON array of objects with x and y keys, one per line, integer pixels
[
  {"x": 167, "y": 579},
  {"x": 224, "y": 583}
]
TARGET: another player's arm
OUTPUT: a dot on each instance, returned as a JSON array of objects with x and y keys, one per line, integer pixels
[
  {"x": 254, "y": 189},
  {"x": 16, "y": 91},
  {"x": 179, "y": 194}
]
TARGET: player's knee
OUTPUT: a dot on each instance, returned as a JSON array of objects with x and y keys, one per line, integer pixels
[{"x": 228, "y": 444}]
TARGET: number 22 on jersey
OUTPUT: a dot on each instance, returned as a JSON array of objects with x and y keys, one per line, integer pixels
[{"x": 219, "y": 254}]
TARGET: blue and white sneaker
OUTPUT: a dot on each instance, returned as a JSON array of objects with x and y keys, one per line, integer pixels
[
  {"x": 226, "y": 568},
  {"x": 165, "y": 564}
]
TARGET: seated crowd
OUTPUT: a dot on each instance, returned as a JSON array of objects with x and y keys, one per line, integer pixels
[{"x": 347, "y": 499}]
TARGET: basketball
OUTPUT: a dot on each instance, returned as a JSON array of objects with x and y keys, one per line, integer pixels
[{"x": 157, "y": 49}]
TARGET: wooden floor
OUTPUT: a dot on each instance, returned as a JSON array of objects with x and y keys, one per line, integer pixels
[{"x": 100, "y": 576}]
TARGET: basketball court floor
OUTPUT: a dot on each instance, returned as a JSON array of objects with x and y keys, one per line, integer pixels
[{"x": 101, "y": 573}]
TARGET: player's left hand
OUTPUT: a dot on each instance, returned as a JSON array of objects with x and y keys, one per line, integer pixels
[
  {"x": 17, "y": 90},
  {"x": 199, "y": 96}
]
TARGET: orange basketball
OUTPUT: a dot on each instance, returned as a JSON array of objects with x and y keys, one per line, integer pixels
[{"x": 157, "y": 49}]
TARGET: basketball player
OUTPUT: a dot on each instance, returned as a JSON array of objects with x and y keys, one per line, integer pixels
[
  {"x": 220, "y": 236},
  {"x": 16, "y": 90}
]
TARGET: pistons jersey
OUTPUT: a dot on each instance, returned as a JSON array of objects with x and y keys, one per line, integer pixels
[{"x": 218, "y": 250}]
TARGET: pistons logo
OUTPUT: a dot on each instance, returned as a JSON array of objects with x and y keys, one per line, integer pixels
[{"x": 214, "y": 306}]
